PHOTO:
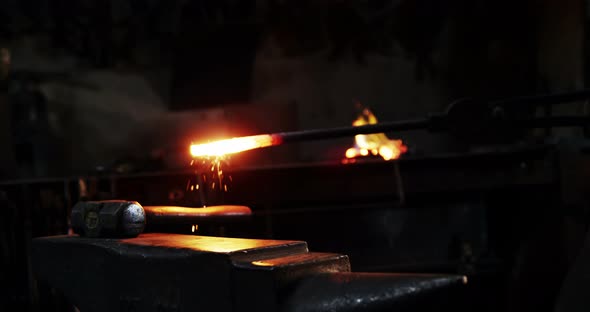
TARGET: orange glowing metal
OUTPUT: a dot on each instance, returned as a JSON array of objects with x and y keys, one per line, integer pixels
[
  {"x": 261, "y": 263},
  {"x": 232, "y": 146},
  {"x": 367, "y": 140}
]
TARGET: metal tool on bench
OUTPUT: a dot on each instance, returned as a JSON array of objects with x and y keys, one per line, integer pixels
[
  {"x": 173, "y": 272},
  {"x": 122, "y": 218}
]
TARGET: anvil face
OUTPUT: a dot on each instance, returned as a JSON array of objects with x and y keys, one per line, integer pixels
[{"x": 172, "y": 272}]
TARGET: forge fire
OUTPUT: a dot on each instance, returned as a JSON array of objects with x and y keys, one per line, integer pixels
[{"x": 376, "y": 143}]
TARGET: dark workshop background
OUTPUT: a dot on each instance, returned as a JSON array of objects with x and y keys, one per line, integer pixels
[{"x": 92, "y": 90}]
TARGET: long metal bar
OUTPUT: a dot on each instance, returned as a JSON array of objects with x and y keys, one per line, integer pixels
[
  {"x": 331, "y": 133},
  {"x": 426, "y": 123},
  {"x": 419, "y": 124}
]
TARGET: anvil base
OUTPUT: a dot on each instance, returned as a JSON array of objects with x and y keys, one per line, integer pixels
[{"x": 171, "y": 272}]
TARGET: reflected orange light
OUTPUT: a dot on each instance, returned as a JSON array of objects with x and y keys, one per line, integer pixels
[
  {"x": 234, "y": 145},
  {"x": 261, "y": 263},
  {"x": 204, "y": 243}
]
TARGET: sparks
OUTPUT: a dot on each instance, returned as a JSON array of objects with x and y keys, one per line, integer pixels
[{"x": 234, "y": 145}]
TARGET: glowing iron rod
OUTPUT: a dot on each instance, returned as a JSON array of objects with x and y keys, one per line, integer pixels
[
  {"x": 236, "y": 145},
  {"x": 437, "y": 122}
]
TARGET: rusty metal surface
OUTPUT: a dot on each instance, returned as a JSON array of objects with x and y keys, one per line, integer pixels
[{"x": 167, "y": 272}]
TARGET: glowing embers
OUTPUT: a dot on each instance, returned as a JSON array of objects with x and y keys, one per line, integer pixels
[
  {"x": 373, "y": 144},
  {"x": 232, "y": 146}
]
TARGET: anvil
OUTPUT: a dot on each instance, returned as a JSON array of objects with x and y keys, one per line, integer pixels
[{"x": 173, "y": 272}]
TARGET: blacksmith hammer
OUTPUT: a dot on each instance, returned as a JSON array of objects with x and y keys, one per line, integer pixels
[{"x": 122, "y": 218}]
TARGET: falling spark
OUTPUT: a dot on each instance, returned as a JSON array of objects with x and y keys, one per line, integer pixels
[{"x": 209, "y": 159}]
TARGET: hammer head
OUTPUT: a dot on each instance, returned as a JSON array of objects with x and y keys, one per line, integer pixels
[{"x": 111, "y": 218}]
